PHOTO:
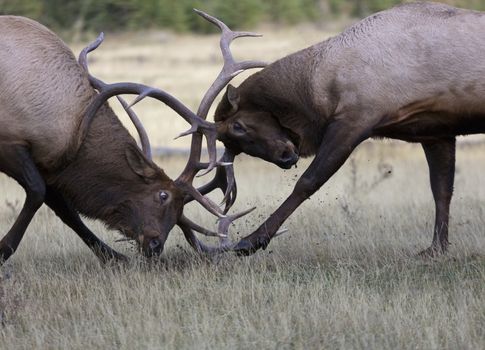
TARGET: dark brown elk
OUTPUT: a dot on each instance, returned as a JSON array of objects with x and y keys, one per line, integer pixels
[
  {"x": 81, "y": 160},
  {"x": 412, "y": 73}
]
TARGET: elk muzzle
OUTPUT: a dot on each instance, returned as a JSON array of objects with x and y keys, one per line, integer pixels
[
  {"x": 286, "y": 155},
  {"x": 152, "y": 245}
]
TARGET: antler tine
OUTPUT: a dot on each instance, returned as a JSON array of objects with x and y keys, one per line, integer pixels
[
  {"x": 201, "y": 247},
  {"x": 231, "y": 192},
  {"x": 207, "y": 203},
  {"x": 186, "y": 221},
  {"x": 144, "y": 140},
  {"x": 224, "y": 180},
  {"x": 212, "y": 19},
  {"x": 99, "y": 85},
  {"x": 83, "y": 56},
  {"x": 224, "y": 246},
  {"x": 225, "y": 222},
  {"x": 230, "y": 68},
  {"x": 227, "y": 34}
]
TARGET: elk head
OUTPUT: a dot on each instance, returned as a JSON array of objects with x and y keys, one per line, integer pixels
[
  {"x": 245, "y": 127},
  {"x": 163, "y": 199},
  {"x": 154, "y": 206}
]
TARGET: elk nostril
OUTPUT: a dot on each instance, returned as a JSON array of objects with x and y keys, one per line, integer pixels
[
  {"x": 154, "y": 244},
  {"x": 286, "y": 156}
]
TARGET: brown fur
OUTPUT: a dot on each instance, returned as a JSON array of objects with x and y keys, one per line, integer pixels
[
  {"x": 34, "y": 91},
  {"x": 413, "y": 72},
  {"x": 43, "y": 95}
]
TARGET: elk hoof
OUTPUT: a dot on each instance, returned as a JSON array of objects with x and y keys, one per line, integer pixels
[
  {"x": 5, "y": 253},
  {"x": 249, "y": 246}
]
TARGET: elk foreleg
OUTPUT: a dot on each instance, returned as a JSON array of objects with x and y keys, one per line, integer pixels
[
  {"x": 16, "y": 162},
  {"x": 441, "y": 161},
  {"x": 71, "y": 218},
  {"x": 339, "y": 140}
]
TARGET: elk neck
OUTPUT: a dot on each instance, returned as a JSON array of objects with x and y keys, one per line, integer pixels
[
  {"x": 98, "y": 181},
  {"x": 285, "y": 89}
]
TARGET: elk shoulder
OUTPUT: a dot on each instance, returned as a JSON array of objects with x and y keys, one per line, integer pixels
[{"x": 43, "y": 90}]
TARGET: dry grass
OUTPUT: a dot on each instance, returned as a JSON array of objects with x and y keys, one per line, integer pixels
[{"x": 344, "y": 277}]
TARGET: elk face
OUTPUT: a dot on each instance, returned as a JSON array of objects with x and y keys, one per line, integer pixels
[
  {"x": 254, "y": 132},
  {"x": 153, "y": 208}
]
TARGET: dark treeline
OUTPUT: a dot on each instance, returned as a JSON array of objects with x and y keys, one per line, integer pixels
[{"x": 118, "y": 15}]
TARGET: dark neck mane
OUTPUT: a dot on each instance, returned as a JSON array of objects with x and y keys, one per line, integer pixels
[
  {"x": 96, "y": 182},
  {"x": 284, "y": 90}
]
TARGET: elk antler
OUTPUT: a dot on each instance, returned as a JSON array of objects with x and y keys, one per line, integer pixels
[
  {"x": 198, "y": 124},
  {"x": 224, "y": 178},
  {"x": 98, "y": 85}
]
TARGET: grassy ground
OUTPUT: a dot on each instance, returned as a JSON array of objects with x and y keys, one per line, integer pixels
[{"x": 344, "y": 277}]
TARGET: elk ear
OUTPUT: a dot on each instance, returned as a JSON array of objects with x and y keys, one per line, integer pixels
[
  {"x": 139, "y": 164},
  {"x": 233, "y": 98}
]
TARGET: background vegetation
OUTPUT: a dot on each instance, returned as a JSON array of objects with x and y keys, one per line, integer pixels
[{"x": 116, "y": 15}]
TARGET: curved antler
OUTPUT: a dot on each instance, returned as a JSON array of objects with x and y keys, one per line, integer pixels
[
  {"x": 98, "y": 85},
  {"x": 224, "y": 180},
  {"x": 231, "y": 68}
]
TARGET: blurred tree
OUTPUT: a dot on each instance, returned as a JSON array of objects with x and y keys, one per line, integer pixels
[
  {"x": 236, "y": 14},
  {"x": 115, "y": 15},
  {"x": 287, "y": 11},
  {"x": 28, "y": 8},
  {"x": 361, "y": 8}
]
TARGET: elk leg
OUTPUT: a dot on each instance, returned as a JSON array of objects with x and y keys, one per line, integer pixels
[
  {"x": 16, "y": 162},
  {"x": 338, "y": 143},
  {"x": 441, "y": 161},
  {"x": 71, "y": 218}
]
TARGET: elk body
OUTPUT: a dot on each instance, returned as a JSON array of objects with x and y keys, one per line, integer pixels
[
  {"x": 415, "y": 72},
  {"x": 44, "y": 93}
]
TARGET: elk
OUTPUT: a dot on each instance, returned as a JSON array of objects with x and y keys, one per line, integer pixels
[
  {"x": 65, "y": 146},
  {"x": 411, "y": 73}
]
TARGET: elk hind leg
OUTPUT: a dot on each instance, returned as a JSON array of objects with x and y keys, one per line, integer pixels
[
  {"x": 441, "y": 161},
  {"x": 16, "y": 162}
]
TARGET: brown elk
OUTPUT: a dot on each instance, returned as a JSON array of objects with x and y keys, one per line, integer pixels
[
  {"x": 64, "y": 145},
  {"x": 411, "y": 73}
]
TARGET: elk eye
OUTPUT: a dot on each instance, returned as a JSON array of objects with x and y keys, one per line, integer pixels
[
  {"x": 163, "y": 196},
  {"x": 238, "y": 128}
]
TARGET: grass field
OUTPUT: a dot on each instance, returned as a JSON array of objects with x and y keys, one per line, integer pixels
[{"x": 345, "y": 276}]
